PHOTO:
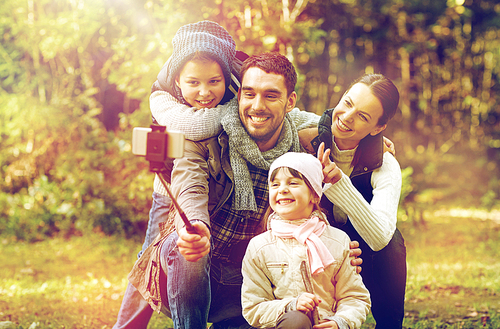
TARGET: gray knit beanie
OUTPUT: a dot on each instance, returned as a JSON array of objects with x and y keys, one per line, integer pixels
[{"x": 205, "y": 37}]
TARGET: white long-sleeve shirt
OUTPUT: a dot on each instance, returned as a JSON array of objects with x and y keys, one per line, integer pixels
[{"x": 375, "y": 221}]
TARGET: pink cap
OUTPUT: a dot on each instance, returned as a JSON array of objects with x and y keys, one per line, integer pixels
[{"x": 307, "y": 164}]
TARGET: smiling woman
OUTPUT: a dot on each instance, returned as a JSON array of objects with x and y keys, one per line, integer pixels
[
  {"x": 356, "y": 116},
  {"x": 364, "y": 187}
]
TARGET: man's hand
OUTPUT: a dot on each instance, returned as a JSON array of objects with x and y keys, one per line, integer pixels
[
  {"x": 354, "y": 253},
  {"x": 194, "y": 246},
  {"x": 331, "y": 173},
  {"x": 307, "y": 302},
  {"x": 389, "y": 146},
  {"x": 306, "y": 136}
]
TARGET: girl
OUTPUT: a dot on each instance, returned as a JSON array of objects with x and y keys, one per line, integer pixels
[
  {"x": 197, "y": 88},
  {"x": 273, "y": 292}
]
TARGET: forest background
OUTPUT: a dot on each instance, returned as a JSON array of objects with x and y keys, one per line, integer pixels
[{"x": 75, "y": 77}]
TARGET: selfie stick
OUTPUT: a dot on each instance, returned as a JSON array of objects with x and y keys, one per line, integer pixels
[
  {"x": 189, "y": 226},
  {"x": 156, "y": 154}
]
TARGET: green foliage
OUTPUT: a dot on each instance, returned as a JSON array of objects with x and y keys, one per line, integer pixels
[
  {"x": 406, "y": 186},
  {"x": 68, "y": 174},
  {"x": 63, "y": 172}
]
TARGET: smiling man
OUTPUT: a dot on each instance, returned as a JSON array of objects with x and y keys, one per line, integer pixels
[{"x": 221, "y": 184}]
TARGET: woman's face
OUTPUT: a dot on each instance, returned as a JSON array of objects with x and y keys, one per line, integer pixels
[{"x": 356, "y": 116}]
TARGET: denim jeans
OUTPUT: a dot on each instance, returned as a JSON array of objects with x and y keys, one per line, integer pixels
[
  {"x": 190, "y": 291},
  {"x": 135, "y": 312},
  {"x": 187, "y": 290},
  {"x": 202, "y": 291}
]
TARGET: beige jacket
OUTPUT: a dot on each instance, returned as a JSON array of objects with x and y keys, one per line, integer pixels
[{"x": 272, "y": 280}]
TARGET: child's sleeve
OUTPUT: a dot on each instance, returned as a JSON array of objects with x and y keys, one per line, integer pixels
[
  {"x": 303, "y": 119},
  {"x": 196, "y": 124}
]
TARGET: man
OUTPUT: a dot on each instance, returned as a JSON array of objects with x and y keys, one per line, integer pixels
[{"x": 221, "y": 184}]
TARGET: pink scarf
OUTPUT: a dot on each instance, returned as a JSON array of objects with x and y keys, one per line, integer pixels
[{"x": 308, "y": 233}]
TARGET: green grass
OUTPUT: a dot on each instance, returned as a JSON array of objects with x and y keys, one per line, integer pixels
[{"x": 453, "y": 281}]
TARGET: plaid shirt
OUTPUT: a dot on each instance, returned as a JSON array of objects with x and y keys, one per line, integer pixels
[{"x": 232, "y": 230}]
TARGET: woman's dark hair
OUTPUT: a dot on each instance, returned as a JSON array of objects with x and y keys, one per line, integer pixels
[{"x": 385, "y": 91}]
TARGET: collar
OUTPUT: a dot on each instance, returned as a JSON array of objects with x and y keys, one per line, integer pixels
[{"x": 370, "y": 150}]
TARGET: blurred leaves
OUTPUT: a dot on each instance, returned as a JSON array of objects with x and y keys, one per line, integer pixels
[{"x": 67, "y": 67}]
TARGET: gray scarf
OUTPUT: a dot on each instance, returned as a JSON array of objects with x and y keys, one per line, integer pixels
[{"x": 243, "y": 149}]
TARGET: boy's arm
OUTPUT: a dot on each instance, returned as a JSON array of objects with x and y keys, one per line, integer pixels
[{"x": 303, "y": 119}]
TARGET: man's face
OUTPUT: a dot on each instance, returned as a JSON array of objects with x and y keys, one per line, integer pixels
[{"x": 263, "y": 104}]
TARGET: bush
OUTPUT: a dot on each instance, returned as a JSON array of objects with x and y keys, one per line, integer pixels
[{"x": 73, "y": 176}]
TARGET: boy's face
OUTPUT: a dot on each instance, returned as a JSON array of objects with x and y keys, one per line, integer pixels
[{"x": 202, "y": 83}]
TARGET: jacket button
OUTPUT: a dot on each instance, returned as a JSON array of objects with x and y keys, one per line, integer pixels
[{"x": 366, "y": 168}]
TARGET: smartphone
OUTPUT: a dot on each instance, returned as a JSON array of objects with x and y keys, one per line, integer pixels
[{"x": 174, "y": 145}]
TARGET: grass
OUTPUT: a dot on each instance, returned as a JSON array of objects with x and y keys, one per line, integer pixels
[{"x": 453, "y": 281}]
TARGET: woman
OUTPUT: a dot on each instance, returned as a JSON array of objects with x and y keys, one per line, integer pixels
[{"x": 364, "y": 188}]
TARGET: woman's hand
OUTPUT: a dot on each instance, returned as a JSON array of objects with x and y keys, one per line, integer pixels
[
  {"x": 307, "y": 302},
  {"x": 194, "y": 246},
  {"x": 306, "y": 136},
  {"x": 331, "y": 173}
]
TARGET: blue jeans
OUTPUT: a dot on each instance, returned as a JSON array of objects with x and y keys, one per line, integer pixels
[
  {"x": 191, "y": 289},
  {"x": 202, "y": 291},
  {"x": 135, "y": 312},
  {"x": 187, "y": 290},
  {"x": 384, "y": 275}
]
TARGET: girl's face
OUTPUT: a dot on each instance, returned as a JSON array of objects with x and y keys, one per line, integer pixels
[
  {"x": 202, "y": 83},
  {"x": 356, "y": 116},
  {"x": 290, "y": 197}
]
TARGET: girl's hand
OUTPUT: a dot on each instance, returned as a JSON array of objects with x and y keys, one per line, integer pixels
[
  {"x": 306, "y": 136},
  {"x": 326, "y": 324},
  {"x": 331, "y": 174},
  {"x": 307, "y": 302}
]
